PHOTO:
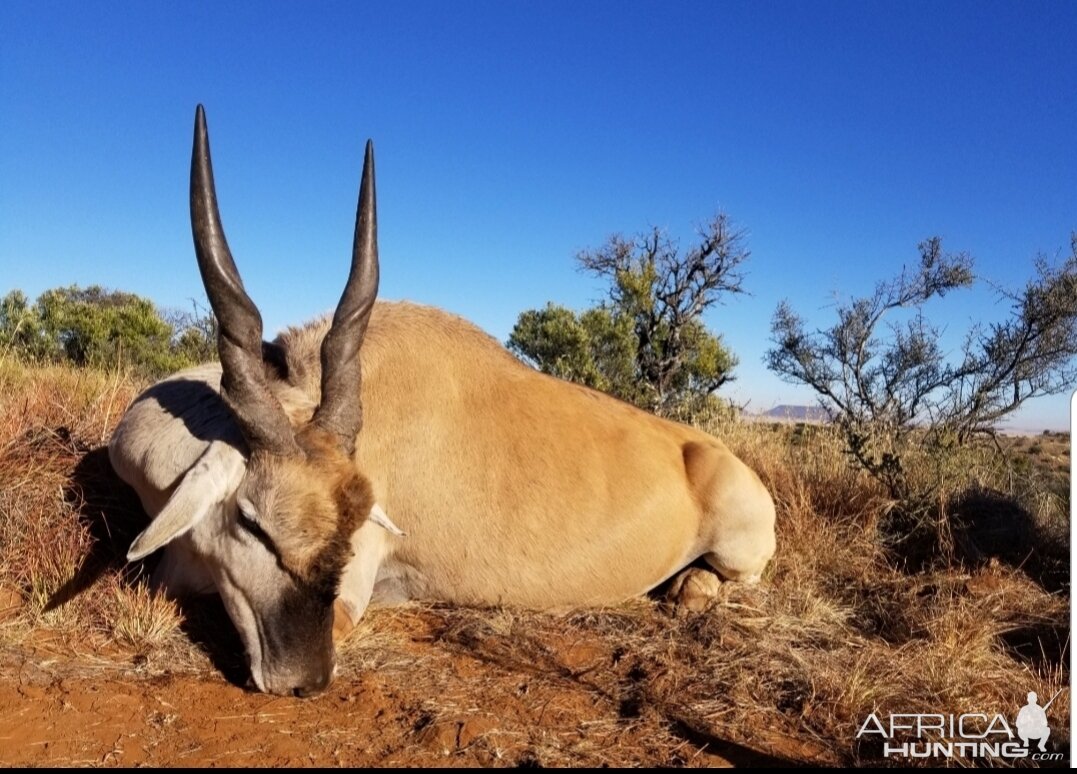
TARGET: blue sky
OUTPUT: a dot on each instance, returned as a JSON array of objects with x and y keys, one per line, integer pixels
[{"x": 511, "y": 135}]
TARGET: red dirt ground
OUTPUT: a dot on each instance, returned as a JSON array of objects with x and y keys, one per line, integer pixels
[{"x": 434, "y": 687}]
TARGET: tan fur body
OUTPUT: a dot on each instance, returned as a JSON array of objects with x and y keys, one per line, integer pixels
[
  {"x": 518, "y": 487},
  {"x": 515, "y": 487}
]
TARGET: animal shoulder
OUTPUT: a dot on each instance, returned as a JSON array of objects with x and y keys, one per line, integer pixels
[{"x": 397, "y": 327}]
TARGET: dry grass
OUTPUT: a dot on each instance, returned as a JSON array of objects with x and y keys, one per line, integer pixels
[
  {"x": 62, "y": 517},
  {"x": 848, "y": 621}
]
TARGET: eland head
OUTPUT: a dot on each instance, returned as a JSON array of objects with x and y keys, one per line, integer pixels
[{"x": 293, "y": 497}]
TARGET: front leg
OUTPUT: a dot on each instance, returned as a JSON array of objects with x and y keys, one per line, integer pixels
[{"x": 370, "y": 544}]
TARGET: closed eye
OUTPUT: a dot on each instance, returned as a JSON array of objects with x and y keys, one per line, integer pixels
[{"x": 254, "y": 529}]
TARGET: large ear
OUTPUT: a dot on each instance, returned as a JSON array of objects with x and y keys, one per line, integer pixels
[{"x": 209, "y": 482}]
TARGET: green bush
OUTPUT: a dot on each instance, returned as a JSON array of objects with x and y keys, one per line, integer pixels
[
  {"x": 103, "y": 329},
  {"x": 646, "y": 344}
]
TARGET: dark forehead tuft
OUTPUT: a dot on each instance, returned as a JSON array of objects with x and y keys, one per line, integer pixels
[
  {"x": 313, "y": 505},
  {"x": 352, "y": 496}
]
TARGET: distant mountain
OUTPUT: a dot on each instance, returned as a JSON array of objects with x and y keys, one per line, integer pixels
[{"x": 796, "y": 413}]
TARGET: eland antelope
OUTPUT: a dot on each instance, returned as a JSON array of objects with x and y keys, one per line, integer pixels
[{"x": 397, "y": 452}]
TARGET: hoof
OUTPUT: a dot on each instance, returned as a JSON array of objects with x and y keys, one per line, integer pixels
[{"x": 694, "y": 590}]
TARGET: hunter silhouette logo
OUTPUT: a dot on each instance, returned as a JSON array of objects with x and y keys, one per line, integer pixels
[
  {"x": 968, "y": 735},
  {"x": 1032, "y": 721}
]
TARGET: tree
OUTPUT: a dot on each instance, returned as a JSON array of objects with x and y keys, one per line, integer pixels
[
  {"x": 595, "y": 348},
  {"x": 194, "y": 333},
  {"x": 103, "y": 328},
  {"x": 645, "y": 343},
  {"x": 1030, "y": 354},
  {"x": 20, "y": 327},
  {"x": 881, "y": 387},
  {"x": 94, "y": 327}
]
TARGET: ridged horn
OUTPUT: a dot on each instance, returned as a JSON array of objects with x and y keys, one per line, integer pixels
[
  {"x": 341, "y": 410},
  {"x": 239, "y": 338}
]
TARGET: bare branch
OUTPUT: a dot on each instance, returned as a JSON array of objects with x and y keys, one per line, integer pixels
[
  {"x": 879, "y": 388},
  {"x": 664, "y": 290}
]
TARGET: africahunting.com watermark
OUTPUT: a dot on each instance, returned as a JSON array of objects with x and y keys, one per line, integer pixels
[{"x": 970, "y": 735}]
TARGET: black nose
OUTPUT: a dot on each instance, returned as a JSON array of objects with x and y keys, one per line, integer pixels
[{"x": 313, "y": 687}]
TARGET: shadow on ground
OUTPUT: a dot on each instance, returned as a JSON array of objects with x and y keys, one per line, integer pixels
[
  {"x": 110, "y": 510},
  {"x": 995, "y": 526}
]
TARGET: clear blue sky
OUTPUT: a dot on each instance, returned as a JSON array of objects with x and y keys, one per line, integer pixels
[{"x": 511, "y": 135}]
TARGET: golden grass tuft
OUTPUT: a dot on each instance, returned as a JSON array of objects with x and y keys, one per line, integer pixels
[{"x": 139, "y": 618}]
